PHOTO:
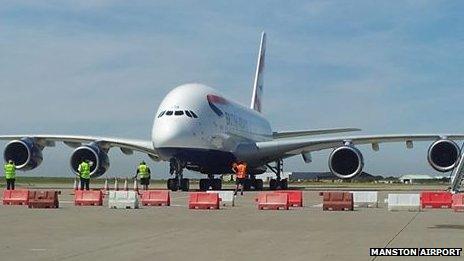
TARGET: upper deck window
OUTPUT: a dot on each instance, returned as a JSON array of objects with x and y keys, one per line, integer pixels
[
  {"x": 161, "y": 114},
  {"x": 193, "y": 114}
]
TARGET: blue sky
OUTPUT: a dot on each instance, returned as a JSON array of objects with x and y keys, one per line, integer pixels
[{"x": 102, "y": 68}]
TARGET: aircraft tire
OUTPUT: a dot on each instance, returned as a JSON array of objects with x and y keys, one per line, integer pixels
[
  {"x": 185, "y": 185},
  {"x": 258, "y": 184},
  {"x": 273, "y": 184},
  {"x": 204, "y": 184}
]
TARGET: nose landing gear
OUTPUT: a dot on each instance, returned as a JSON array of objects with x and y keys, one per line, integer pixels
[{"x": 176, "y": 167}]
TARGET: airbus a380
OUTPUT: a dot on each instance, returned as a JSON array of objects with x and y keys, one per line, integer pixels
[{"x": 199, "y": 129}]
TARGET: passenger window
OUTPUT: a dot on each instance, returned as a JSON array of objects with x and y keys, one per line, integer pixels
[
  {"x": 161, "y": 114},
  {"x": 179, "y": 113},
  {"x": 188, "y": 114},
  {"x": 169, "y": 113},
  {"x": 193, "y": 114}
]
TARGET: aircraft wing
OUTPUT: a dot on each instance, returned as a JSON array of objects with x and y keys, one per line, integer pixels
[
  {"x": 291, "y": 134},
  {"x": 127, "y": 146},
  {"x": 279, "y": 148}
]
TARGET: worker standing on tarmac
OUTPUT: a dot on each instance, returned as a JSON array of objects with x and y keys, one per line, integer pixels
[
  {"x": 10, "y": 174},
  {"x": 84, "y": 174},
  {"x": 240, "y": 169},
  {"x": 143, "y": 171}
]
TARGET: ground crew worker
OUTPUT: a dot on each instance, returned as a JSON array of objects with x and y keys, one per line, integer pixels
[
  {"x": 84, "y": 174},
  {"x": 10, "y": 174},
  {"x": 240, "y": 169},
  {"x": 143, "y": 171}
]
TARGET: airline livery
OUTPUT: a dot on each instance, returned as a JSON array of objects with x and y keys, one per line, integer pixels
[{"x": 199, "y": 129}]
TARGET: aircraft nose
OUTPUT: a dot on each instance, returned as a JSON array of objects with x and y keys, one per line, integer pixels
[{"x": 171, "y": 135}]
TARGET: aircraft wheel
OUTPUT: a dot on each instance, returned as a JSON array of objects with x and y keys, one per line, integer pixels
[
  {"x": 284, "y": 184},
  {"x": 204, "y": 184},
  {"x": 273, "y": 184},
  {"x": 258, "y": 184},
  {"x": 247, "y": 185},
  {"x": 185, "y": 185},
  {"x": 172, "y": 184},
  {"x": 216, "y": 184}
]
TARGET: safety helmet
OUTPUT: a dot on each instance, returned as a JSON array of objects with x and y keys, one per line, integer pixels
[
  {"x": 143, "y": 162},
  {"x": 10, "y": 161}
]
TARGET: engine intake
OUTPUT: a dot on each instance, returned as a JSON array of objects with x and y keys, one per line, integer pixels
[
  {"x": 95, "y": 154},
  {"x": 443, "y": 154},
  {"x": 346, "y": 162},
  {"x": 25, "y": 153}
]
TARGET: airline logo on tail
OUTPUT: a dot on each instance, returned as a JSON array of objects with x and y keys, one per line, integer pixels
[{"x": 256, "y": 100}]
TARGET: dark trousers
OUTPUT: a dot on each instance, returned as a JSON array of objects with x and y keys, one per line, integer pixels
[
  {"x": 10, "y": 184},
  {"x": 85, "y": 183},
  {"x": 239, "y": 183}
]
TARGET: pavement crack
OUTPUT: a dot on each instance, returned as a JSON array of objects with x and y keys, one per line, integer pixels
[{"x": 397, "y": 234}]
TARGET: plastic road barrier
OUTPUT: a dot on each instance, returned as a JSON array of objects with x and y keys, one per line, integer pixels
[
  {"x": 203, "y": 200},
  {"x": 15, "y": 197},
  {"x": 337, "y": 201},
  {"x": 410, "y": 202},
  {"x": 436, "y": 199},
  {"x": 273, "y": 200},
  {"x": 123, "y": 199},
  {"x": 43, "y": 199},
  {"x": 226, "y": 197},
  {"x": 155, "y": 198},
  {"x": 365, "y": 199},
  {"x": 458, "y": 202},
  {"x": 295, "y": 197},
  {"x": 88, "y": 198}
]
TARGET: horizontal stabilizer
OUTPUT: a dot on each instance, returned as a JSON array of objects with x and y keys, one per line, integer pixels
[{"x": 292, "y": 134}]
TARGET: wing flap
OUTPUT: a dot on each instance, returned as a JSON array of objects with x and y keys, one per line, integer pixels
[{"x": 292, "y": 134}]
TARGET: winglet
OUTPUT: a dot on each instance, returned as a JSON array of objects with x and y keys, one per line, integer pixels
[{"x": 256, "y": 100}]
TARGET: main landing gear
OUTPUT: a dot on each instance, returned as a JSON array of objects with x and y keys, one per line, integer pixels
[
  {"x": 210, "y": 182},
  {"x": 176, "y": 167},
  {"x": 277, "y": 183}
]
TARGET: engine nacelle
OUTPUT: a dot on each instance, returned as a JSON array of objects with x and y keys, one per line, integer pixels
[
  {"x": 346, "y": 162},
  {"x": 95, "y": 154},
  {"x": 25, "y": 153},
  {"x": 443, "y": 154}
]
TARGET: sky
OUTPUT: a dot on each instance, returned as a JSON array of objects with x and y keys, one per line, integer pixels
[{"x": 103, "y": 67}]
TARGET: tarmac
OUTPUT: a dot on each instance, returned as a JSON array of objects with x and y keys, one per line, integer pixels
[{"x": 241, "y": 232}]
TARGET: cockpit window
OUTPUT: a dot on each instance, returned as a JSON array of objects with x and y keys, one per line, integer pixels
[
  {"x": 169, "y": 113},
  {"x": 161, "y": 114},
  {"x": 193, "y": 114},
  {"x": 179, "y": 113},
  {"x": 188, "y": 114}
]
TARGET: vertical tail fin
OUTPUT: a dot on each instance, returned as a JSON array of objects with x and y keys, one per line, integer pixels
[{"x": 256, "y": 100}]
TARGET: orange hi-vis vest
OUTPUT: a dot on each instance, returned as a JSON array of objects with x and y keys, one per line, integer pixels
[{"x": 241, "y": 171}]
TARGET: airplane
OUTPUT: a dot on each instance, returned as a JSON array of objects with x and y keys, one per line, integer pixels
[{"x": 198, "y": 129}]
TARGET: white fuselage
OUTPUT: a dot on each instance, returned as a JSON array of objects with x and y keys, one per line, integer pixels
[{"x": 211, "y": 134}]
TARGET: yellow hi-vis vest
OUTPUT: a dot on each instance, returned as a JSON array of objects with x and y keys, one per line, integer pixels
[
  {"x": 10, "y": 171},
  {"x": 84, "y": 170},
  {"x": 143, "y": 171}
]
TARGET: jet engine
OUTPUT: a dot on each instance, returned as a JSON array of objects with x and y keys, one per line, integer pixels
[
  {"x": 443, "y": 154},
  {"x": 346, "y": 162},
  {"x": 95, "y": 154},
  {"x": 25, "y": 153}
]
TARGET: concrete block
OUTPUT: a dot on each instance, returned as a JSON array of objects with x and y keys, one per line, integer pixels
[
  {"x": 365, "y": 199},
  {"x": 410, "y": 202},
  {"x": 227, "y": 197},
  {"x": 123, "y": 199}
]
